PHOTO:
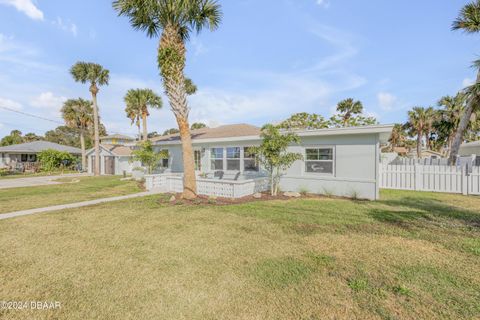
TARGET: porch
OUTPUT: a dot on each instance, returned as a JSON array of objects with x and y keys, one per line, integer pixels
[{"x": 240, "y": 187}]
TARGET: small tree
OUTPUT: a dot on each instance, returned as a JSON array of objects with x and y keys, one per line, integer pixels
[
  {"x": 273, "y": 153},
  {"x": 51, "y": 160},
  {"x": 147, "y": 156}
]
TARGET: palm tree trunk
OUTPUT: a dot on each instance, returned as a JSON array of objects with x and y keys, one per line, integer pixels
[
  {"x": 84, "y": 154},
  {"x": 419, "y": 145},
  {"x": 171, "y": 61},
  {"x": 189, "y": 179},
  {"x": 462, "y": 127},
  {"x": 427, "y": 140},
  {"x": 145, "y": 131},
  {"x": 96, "y": 134}
]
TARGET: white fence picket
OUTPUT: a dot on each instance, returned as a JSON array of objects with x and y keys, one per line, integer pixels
[{"x": 449, "y": 179}]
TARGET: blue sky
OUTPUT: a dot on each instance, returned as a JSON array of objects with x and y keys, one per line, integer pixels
[{"x": 269, "y": 59}]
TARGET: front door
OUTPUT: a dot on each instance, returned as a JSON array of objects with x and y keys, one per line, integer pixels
[{"x": 110, "y": 165}]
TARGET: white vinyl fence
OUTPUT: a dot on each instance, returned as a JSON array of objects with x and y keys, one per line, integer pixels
[{"x": 449, "y": 179}]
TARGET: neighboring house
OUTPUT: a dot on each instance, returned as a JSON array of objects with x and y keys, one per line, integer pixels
[
  {"x": 117, "y": 139},
  {"x": 426, "y": 154},
  {"x": 114, "y": 160},
  {"x": 339, "y": 161},
  {"x": 470, "y": 148},
  {"x": 28, "y": 152}
]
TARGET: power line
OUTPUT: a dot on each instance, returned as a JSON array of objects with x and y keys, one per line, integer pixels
[{"x": 31, "y": 115}]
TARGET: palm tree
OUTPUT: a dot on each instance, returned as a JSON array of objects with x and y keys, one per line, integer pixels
[
  {"x": 78, "y": 114},
  {"x": 468, "y": 21},
  {"x": 418, "y": 124},
  {"x": 173, "y": 21},
  {"x": 430, "y": 118},
  {"x": 348, "y": 108},
  {"x": 138, "y": 102},
  {"x": 397, "y": 138},
  {"x": 449, "y": 118},
  {"x": 134, "y": 114},
  {"x": 95, "y": 75}
]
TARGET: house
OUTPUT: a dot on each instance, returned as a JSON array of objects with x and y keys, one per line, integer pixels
[
  {"x": 114, "y": 159},
  {"x": 471, "y": 149},
  {"x": 28, "y": 152},
  {"x": 117, "y": 139},
  {"x": 337, "y": 161}
]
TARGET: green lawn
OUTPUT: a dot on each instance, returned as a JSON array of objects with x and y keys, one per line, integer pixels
[
  {"x": 88, "y": 188},
  {"x": 409, "y": 256}
]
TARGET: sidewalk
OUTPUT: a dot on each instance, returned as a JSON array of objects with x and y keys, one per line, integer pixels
[{"x": 74, "y": 205}]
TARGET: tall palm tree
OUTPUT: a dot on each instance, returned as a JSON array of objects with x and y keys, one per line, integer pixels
[
  {"x": 135, "y": 115},
  {"x": 78, "y": 114},
  {"x": 138, "y": 102},
  {"x": 173, "y": 21},
  {"x": 95, "y": 75},
  {"x": 418, "y": 124},
  {"x": 468, "y": 21},
  {"x": 348, "y": 108},
  {"x": 430, "y": 118},
  {"x": 450, "y": 113}
]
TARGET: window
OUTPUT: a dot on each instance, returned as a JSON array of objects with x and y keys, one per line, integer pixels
[
  {"x": 216, "y": 158},
  {"x": 198, "y": 160},
  {"x": 164, "y": 163},
  {"x": 250, "y": 160},
  {"x": 24, "y": 157},
  {"x": 233, "y": 159},
  {"x": 319, "y": 160}
]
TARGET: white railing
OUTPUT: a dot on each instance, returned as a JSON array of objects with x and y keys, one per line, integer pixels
[
  {"x": 449, "y": 179},
  {"x": 208, "y": 187}
]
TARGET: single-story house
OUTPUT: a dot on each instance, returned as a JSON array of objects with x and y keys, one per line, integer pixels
[
  {"x": 28, "y": 152},
  {"x": 337, "y": 161},
  {"x": 117, "y": 139},
  {"x": 114, "y": 160}
]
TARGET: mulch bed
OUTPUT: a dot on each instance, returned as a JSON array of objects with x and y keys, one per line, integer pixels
[{"x": 219, "y": 201}]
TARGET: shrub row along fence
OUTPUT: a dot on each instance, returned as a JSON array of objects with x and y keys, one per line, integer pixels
[
  {"x": 209, "y": 187},
  {"x": 450, "y": 179}
]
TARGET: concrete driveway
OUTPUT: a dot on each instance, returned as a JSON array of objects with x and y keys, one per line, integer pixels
[{"x": 36, "y": 181}]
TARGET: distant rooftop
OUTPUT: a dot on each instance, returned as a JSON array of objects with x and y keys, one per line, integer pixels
[
  {"x": 39, "y": 146},
  {"x": 472, "y": 144},
  {"x": 117, "y": 136}
]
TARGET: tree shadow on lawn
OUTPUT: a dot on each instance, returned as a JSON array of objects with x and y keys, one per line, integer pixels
[{"x": 409, "y": 209}]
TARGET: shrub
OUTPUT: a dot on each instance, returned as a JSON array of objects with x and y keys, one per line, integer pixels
[{"x": 53, "y": 159}]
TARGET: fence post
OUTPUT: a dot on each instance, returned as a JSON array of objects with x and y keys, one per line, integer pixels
[{"x": 464, "y": 170}]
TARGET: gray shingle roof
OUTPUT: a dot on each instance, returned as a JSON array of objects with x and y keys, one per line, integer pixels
[{"x": 39, "y": 146}]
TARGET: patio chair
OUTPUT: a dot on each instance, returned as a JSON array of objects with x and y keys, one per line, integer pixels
[
  {"x": 218, "y": 174},
  {"x": 237, "y": 176}
]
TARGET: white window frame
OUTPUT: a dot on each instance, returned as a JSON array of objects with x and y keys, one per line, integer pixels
[
  {"x": 223, "y": 159},
  {"x": 226, "y": 158},
  {"x": 254, "y": 158},
  {"x": 333, "y": 161}
]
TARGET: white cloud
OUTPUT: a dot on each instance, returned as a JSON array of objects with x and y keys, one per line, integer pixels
[
  {"x": 25, "y": 6},
  {"x": 386, "y": 100},
  {"x": 323, "y": 3},
  {"x": 467, "y": 82},
  {"x": 198, "y": 47},
  {"x": 48, "y": 100},
  {"x": 7, "y": 103},
  {"x": 66, "y": 26}
]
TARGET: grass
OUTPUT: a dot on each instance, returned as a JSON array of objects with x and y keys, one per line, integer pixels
[
  {"x": 88, "y": 188},
  {"x": 409, "y": 256}
]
